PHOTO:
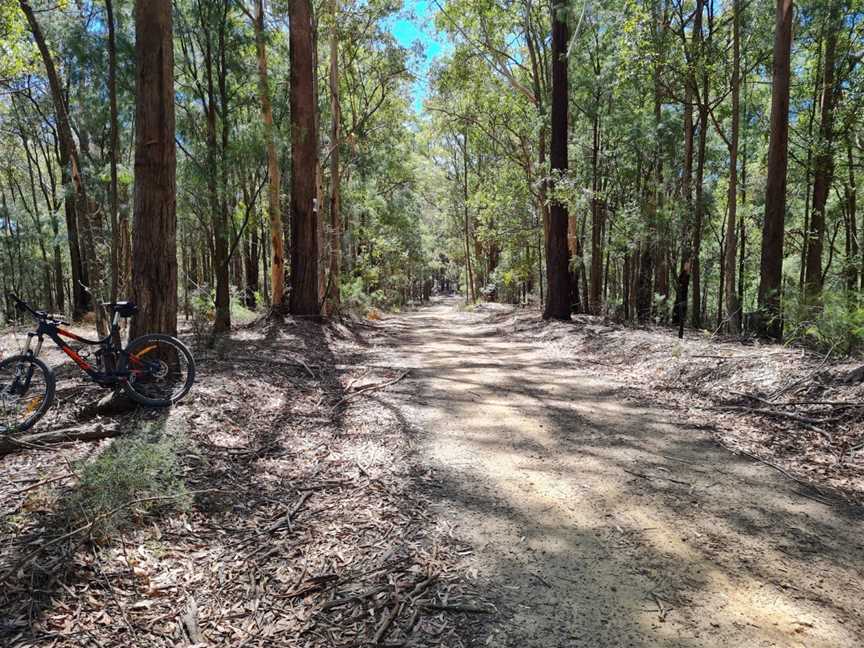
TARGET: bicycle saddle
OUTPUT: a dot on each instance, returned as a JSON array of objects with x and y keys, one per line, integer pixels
[{"x": 124, "y": 308}]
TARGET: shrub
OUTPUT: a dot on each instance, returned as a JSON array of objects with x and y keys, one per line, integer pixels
[
  {"x": 135, "y": 467},
  {"x": 835, "y": 326}
]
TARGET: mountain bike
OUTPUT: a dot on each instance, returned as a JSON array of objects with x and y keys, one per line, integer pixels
[{"x": 154, "y": 370}]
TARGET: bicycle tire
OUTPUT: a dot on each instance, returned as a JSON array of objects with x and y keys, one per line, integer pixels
[
  {"x": 145, "y": 344},
  {"x": 47, "y": 398}
]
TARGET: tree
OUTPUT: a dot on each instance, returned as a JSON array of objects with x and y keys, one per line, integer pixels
[
  {"x": 771, "y": 268},
  {"x": 815, "y": 235},
  {"x": 304, "y": 162},
  {"x": 557, "y": 251},
  {"x": 274, "y": 207},
  {"x": 731, "y": 257},
  {"x": 71, "y": 157},
  {"x": 335, "y": 280},
  {"x": 154, "y": 247}
]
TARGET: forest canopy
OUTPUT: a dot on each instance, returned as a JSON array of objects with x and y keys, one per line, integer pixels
[{"x": 680, "y": 161}]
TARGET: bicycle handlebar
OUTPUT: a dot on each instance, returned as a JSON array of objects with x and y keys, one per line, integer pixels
[{"x": 21, "y": 305}]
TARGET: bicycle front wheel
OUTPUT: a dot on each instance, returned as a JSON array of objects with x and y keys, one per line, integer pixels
[
  {"x": 161, "y": 370},
  {"x": 26, "y": 393}
]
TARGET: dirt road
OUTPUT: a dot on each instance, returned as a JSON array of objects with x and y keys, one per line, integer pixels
[{"x": 598, "y": 522}]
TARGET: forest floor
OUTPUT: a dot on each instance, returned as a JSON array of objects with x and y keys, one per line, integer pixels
[{"x": 462, "y": 478}]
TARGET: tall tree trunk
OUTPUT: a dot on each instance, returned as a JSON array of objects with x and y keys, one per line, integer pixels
[
  {"x": 274, "y": 208},
  {"x": 731, "y": 253},
  {"x": 70, "y": 156},
  {"x": 335, "y": 280},
  {"x": 824, "y": 163},
  {"x": 304, "y": 161},
  {"x": 808, "y": 168},
  {"x": 469, "y": 271},
  {"x": 852, "y": 245},
  {"x": 218, "y": 180},
  {"x": 771, "y": 267},
  {"x": 597, "y": 214},
  {"x": 742, "y": 225},
  {"x": 115, "y": 148},
  {"x": 154, "y": 248},
  {"x": 557, "y": 254},
  {"x": 690, "y": 93},
  {"x": 699, "y": 207}
]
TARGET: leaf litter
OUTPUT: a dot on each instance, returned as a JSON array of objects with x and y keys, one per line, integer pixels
[{"x": 309, "y": 525}]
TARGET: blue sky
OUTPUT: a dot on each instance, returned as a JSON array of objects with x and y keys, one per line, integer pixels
[{"x": 416, "y": 26}]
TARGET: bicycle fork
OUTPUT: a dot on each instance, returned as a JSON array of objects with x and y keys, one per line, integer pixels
[{"x": 18, "y": 386}]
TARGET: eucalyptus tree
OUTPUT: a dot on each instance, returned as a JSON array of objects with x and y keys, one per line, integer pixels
[{"x": 154, "y": 249}]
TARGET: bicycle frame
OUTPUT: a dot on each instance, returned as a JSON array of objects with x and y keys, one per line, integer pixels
[{"x": 56, "y": 334}]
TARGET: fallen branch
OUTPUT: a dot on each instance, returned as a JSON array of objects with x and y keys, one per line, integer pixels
[
  {"x": 785, "y": 473},
  {"x": 43, "y": 440},
  {"x": 369, "y": 388},
  {"x": 44, "y": 482},
  {"x": 812, "y": 424},
  {"x": 285, "y": 520}
]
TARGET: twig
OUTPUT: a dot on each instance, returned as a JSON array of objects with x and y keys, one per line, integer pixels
[
  {"x": 810, "y": 423},
  {"x": 782, "y": 471},
  {"x": 286, "y": 519},
  {"x": 467, "y": 609},
  {"x": 389, "y": 616},
  {"x": 643, "y": 476},
  {"x": 366, "y": 390},
  {"x": 43, "y": 483}
]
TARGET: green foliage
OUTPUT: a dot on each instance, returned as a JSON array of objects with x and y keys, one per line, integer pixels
[
  {"x": 141, "y": 466},
  {"x": 833, "y": 326}
]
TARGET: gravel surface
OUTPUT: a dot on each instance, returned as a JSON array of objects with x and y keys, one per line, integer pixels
[{"x": 596, "y": 520}]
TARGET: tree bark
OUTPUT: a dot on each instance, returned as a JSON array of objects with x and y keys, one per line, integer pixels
[
  {"x": 154, "y": 248},
  {"x": 304, "y": 161},
  {"x": 274, "y": 208},
  {"x": 731, "y": 253},
  {"x": 771, "y": 267},
  {"x": 115, "y": 148},
  {"x": 469, "y": 271},
  {"x": 597, "y": 214},
  {"x": 557, "y": 254},
  {"x": 335, "y": 280},
  {"x": 824, "y": 164},
  {"x": 852, "y": 245}
]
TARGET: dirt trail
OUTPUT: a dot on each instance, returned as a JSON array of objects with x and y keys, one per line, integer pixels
[{"x": 599, "y": 522}]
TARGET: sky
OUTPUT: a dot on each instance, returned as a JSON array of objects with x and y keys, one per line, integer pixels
[{"x": 416, "y": 26}]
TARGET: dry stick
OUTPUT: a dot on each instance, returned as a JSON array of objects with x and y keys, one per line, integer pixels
[
  {"x": 366, "y": 390},
  {"x": 810, "y": 423},
  {"x": 39, "y": 440},
  {"x": 87, "y": 527},
  {"x": 356, "y": 597},
  {"x": 468, "y": 609},
  {"x": 43, "y": 483},
  {"x": 839, "y": 404},
  {"x": 286, "y": 519},
  {"x": 389, "y": 616},
  {"x": 784, "y": 472},
  {"x": 779, "y": 392},
  {"x": 643, "y": 476}
]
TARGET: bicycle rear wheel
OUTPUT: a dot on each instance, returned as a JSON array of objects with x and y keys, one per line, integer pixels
[
  {"x": 161, "y": 370},
  {"x": 26, "y": 393}
]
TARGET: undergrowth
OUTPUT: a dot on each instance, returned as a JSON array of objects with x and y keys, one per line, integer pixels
[
  {"x": 136, "y": 476},
  {"x": 834, "y": 326}
]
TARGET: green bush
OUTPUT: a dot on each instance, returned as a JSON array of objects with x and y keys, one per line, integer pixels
[
  {"x": 136, "y": 467},
  {"x": 834, "y": 326}
]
